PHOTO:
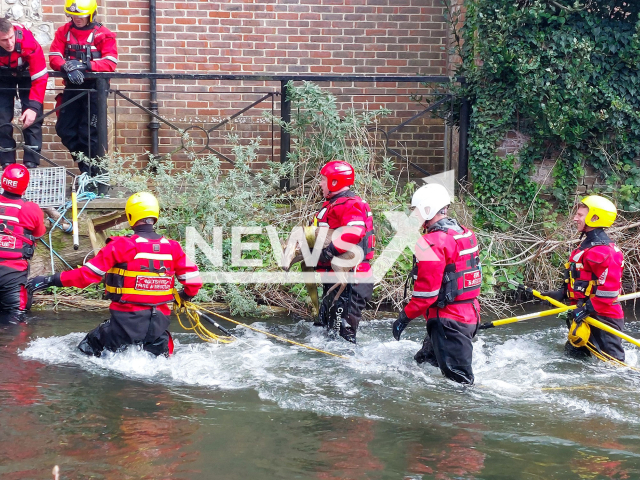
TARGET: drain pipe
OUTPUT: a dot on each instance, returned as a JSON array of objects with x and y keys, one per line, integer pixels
[{"x": 154, "y": 125}]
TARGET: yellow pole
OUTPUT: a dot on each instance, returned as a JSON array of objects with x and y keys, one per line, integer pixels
[
  {"x": 528, "y": 316},
  {"x": 593, "y": 321},
  {"x": 546, "y": 313},
  {"x": 74, "y": 217}
]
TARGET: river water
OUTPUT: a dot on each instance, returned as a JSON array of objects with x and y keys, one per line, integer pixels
[{"x": 260, "y": 409}]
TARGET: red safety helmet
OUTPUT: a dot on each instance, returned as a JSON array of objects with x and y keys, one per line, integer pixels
[
  {"x": 15, "y": 179},
  {"x": 340, "y": 171}
]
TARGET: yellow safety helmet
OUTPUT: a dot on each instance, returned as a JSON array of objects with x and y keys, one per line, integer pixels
[
  {"x": 81, "y": 8},
  {"x": 579, "y": 334},
  {"x": 603, "y": 208},
  {"x": 141, "y": 205}
]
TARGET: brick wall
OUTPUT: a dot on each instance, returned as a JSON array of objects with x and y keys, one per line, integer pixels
[{"x": 363, "y": 37}]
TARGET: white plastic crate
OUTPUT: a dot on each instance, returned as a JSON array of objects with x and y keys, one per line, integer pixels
[{"x": 47, "y": 186}]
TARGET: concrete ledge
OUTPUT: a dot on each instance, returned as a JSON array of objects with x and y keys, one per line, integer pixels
[{"x": 105, "y": 204}]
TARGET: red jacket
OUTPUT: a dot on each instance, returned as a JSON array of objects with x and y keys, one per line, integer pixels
[
  {"x": 595, "y": 271},
  {"x": 30, "y": 218},
  {"x": 347, "y": 209},
  {"x": 28, "y": 54},
  {"x": 434, "y": 251},
  {"x": 121, "y": 250},
  {"x": 72, "y": 43}
]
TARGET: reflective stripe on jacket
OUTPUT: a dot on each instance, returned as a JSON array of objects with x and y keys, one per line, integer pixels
[
  {"x": 447, "y": 274},
  {"x": 347, "y": 209},
  {"x": 16, "y": 242},
  {"x": 146, "y": 279},
  {"x": 595, "y": 271}
]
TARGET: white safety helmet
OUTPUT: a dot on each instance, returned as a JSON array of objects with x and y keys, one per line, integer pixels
[{"x": 430, "y": 199}]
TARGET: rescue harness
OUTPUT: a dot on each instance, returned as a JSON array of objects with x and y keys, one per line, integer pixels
[
  {"x": 368, "y": 242},
  {"x": 82, "y": 52},
  {"x": 21, "y": 64},
  {"x": 16, "y": 242},
  {"x": 462, "y": 279},
  {"x": 148, "y": 279},
  {"x": 580, "y": 283}
]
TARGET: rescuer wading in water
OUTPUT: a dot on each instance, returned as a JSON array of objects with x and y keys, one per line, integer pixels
[
  {"x": 593, "y": 280},
  {"x": 21, "y": 224},
  {"x": 345, "y": 210},
  {"x": 139, "y": 271},
  {"x": 447, "y": 280}
]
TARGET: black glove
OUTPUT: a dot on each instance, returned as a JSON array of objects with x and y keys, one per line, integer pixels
[
  {"x": 582, "y": 312},
  {"x": 73, "y": 69},
  {"x": 328, "y": 253},
  {"x": 523, "y": 295},
  {"x": 558, "y": 295},
  {"x": 180, "y": 298},
  {"x": 400, "y": 324},
  {"x": 41, "y": 282}
]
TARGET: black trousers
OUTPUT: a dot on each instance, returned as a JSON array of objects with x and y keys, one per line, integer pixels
[
  {"x": 147, "y": 328},
  {"x": 14, "y": 299},
  {"x": 33, "y": 134},
  {"x": 448, "y": 346},
  {"x": 343, "y": 317},
  {"x": 77, "y": 124},
  {"x": 603, "y": 341}
]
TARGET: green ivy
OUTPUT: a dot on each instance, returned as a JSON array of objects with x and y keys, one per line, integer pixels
[{"x": 567, "y": 75}]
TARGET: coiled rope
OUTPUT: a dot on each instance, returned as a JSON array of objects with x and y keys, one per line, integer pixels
[
  {"x": 192, "y": 323},
  {"x": 193, "y": 313}
]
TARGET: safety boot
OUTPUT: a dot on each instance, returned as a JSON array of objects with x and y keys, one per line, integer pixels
[
  {"x": 426, "y": 354},
  {"x": 103, "y": 190}
]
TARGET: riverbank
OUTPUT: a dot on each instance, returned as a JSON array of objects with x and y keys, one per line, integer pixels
[{"x": 43, "y": 302}]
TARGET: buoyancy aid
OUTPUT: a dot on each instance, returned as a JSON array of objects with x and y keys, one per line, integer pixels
[
  {"x": 368, "y": 242},
  {"x": 14, "y": 61},
  {"x": 462, "y": 278},
  {"x": 341, "y": 203},
  {"x": 82, "y": 50},
  {"x": 148, "y": 278},
  {"x": 582, "y": 283},
  {"x": 16, "y": 242}
]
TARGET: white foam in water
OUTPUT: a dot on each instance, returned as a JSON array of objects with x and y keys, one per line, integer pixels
[{"x": 380, "y": 371}]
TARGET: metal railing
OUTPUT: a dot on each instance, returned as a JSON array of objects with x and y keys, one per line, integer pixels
[{"x": 103, "y": 90}]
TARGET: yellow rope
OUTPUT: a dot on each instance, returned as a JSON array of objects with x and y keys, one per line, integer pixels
[
  {"x": 196, "y": 326},
  {"x": 584, "y": 387},
  {"x": 190, "y": 307},
  {"x": 605, "y": 357}
]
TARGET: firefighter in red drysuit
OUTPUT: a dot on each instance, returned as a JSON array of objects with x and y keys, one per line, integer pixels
[
  {"x": 21, "y": 223},
  {"x": 345, "y": 210},
  {"x": 81, "y": 45},
  {"x": 593, "y": 277},
  {"x": 21, "y": 56},
  {"x": 446, "y": 287},
  {"x": 139, "y": 272}
]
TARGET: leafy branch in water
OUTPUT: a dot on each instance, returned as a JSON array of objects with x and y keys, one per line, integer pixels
[{"x": 206, "y": 196}]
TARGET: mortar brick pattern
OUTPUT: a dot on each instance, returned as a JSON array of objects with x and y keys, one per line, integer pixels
[{"x": 360, "y": 37}]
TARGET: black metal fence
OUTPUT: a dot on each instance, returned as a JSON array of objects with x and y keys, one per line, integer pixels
[{"x": 103, "y": 90}]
